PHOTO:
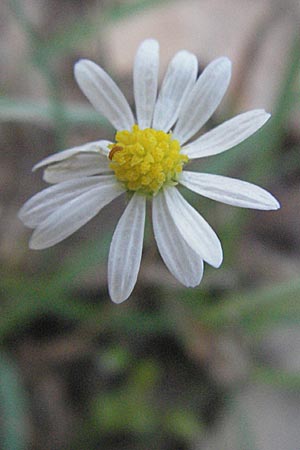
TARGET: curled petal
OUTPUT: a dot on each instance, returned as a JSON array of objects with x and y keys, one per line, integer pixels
[
  {"x": 98, "y": 147},
  {"x": 78, "y": 166}
]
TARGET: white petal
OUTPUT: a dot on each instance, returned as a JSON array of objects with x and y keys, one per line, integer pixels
[
  {"x": 179, "y": 79},
  {"x": 104, "y": 94},
  {"x": 229, "y": 190},
  {"x": 227, "y": 135},
  {"x": 145, "y": 78},
  {"x": 41, "y": 205},
  {"x": 99, "y": 147},
  {"x": 197, "y": 233},
  {"x": 72, "y": 215},
  {"x": 126, "y": 250},
  {"x": 181, "y": 260},
  {"x": 203, "y": 99},
  {"x": 78, "y": 166}
]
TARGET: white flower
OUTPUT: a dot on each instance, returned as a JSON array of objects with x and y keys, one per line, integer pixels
[{"x": 146, "y": 161}]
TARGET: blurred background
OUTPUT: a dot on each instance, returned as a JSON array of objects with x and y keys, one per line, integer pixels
[{"x": 211, "y": 368}]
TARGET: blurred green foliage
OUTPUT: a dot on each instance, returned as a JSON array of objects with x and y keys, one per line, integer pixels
[
  {"x": 13, "y": 406},
  {"x": 131, "y": 405}
]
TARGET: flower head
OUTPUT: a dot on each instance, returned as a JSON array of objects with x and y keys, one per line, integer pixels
[{"x": 147, "y": 160}]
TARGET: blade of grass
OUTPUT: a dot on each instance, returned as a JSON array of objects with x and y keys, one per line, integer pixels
[
  {"x": 239, "y": 306},
  {"x": 13, "y": 407},
  {"x": 86, "y": 27},
  {"x": 12, "y": 110},
  {"x": 277, "y": 378},
  {"x": 83, "y": 259},
  {"x": 25, "y": 298}
]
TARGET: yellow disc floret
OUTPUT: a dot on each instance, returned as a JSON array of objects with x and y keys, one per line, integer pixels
[{"x": 145, "y": 160}]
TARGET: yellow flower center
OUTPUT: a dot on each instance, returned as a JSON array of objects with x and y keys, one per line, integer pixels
[{"x": 145, "y": 160}]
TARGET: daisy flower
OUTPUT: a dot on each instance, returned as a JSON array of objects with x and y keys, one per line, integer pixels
[{"x": 146, "y": 161}]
